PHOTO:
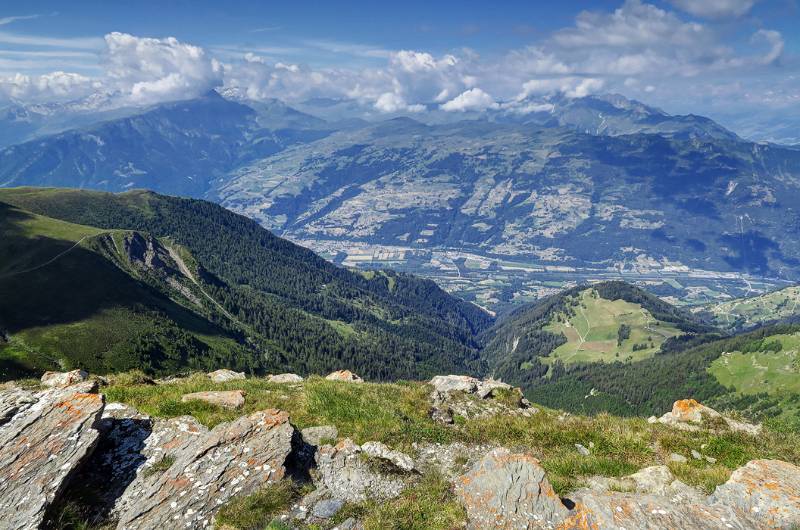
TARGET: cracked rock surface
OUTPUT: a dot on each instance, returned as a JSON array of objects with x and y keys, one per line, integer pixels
[{"x": 41, "y": 443}]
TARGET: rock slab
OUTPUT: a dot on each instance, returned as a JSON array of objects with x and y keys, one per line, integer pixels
[
  {"x": 40, "y": 446},
  {"x": 767, "y": 490},
  {"x": 690, "y": 415},
  {"x": 224, "y": 375},
  {"x": 650, "y": 512},
  {"x": 509, "y": 491},
  {"x": 284, "y": 378},
  {"x": 344, "y": 375},
  {"x": 63, "y": 379},
  {"x": 343, "y": 470},
  {"x": 315, "y": 435},
  {"x": 229, "y": 399},
  {"x": 235, "y": 458}
]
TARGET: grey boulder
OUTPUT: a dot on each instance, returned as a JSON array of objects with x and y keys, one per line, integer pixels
[
  {"x": 224, "y": 375},
  {"x": 315, "y": 435},
  {"x": 345, "y": 471},
  {"x": 766, "y": 490}
]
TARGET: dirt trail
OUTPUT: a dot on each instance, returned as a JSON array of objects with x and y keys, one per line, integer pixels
[{"x": 46, "y": 263}]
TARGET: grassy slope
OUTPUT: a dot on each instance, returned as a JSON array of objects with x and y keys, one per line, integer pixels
[
  {"x": 396, "y": 414},
  {"x": 772, "y": 372},
  {"x": 66, "y": 304},
  {"x": 592, "y": 330},
  {"x": 780, "y": 305}
]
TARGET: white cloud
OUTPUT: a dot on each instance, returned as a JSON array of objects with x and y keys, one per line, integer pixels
[
  {"x": 775, "y": 41},
  {"x": 147, "y": 70},
  {"x": 472, "y": 99},
  {"x": 415, "y": 62},
  {"x": 571, "y": 87},
  {"x": 715, "y": 8},
  {"x": 55, "y": 85},
  {"x": 639, "y": 49},
  {"x": 8, "y": 20},
  {"x": 389, "y": 102}
]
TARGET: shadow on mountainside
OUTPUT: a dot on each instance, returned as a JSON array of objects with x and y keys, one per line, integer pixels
[{"x": 67, "y": 296}]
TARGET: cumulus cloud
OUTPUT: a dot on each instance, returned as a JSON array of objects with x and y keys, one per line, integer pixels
[
  {"x": 472, "y": 99},
  {"x": 52, "y": 86},
  {"x": 571, "y": 87},
  {"x": 639, "y": 49},
  {"x": 391, "y": 102},
  {"x": 715, "y": 8},
  {"x": 147, "y": 70}
]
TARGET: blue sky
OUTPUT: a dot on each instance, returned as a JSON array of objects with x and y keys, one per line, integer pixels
[{"x": 709, "y": 57}]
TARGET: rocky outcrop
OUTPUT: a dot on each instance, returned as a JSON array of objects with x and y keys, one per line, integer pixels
[
  {"x": 234, "y": 458},
  {"x": 63, "y": 379},
  {"x": 135, "y": 449},
  {"x": 351, "y": 474},
  {"x": 690, "y": 415},
  {"x": 229, "y": 399},
  {"x": 450, "y": 460},
  {"x": 509, "y": 490},
  {"x": 315, "y": 435},
  {"x": 13, "y": 401},
  {"x": 224, "y": 375},
  {"x": 766, "y": 490},
  {"x": 651, "y": 512},
  {"x": 284, "y": 378},
  {"x": 378, "y": 450},
  {"x": 469, "y": 397},
  {"x": 653, "y": 480},
  {"x": 344, "y": 375},
  {"x": 40, "y": 445}
]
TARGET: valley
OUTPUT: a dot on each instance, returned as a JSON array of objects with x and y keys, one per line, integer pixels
[
  {"x": 498, "y": 207},
  {"x": 500, "y": 283}
]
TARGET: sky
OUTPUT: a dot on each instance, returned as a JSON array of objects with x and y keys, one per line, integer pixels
[{"x": 710, "y": 57}]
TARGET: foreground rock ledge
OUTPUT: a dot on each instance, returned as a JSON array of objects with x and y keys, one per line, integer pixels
[
  {"x": 39, "y": 446},
  {"x": 235, "y": 458},
  {"x": 510, "y": 491}
]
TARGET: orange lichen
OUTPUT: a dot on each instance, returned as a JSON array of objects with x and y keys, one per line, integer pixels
[{"x": 685, "y": 406}]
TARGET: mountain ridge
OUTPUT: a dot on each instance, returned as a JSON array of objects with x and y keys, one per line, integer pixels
[{"x": 285, "y": 306}]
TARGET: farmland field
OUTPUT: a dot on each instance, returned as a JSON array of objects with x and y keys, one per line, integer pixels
[
  {"x": 592, "y": 331},
  {"x": 762, "y": 371}
]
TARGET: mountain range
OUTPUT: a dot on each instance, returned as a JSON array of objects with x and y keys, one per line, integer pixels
[{"x": 599, "y": 182}]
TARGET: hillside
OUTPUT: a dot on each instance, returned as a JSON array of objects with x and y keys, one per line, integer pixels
[
  {"x": 282, "y": 306},
  {"x": 585, "y": 330},
  {"x": 535, "y": 195},
  {"x": 746, "y": 313},
  {"x": 74, "y": 295}
]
